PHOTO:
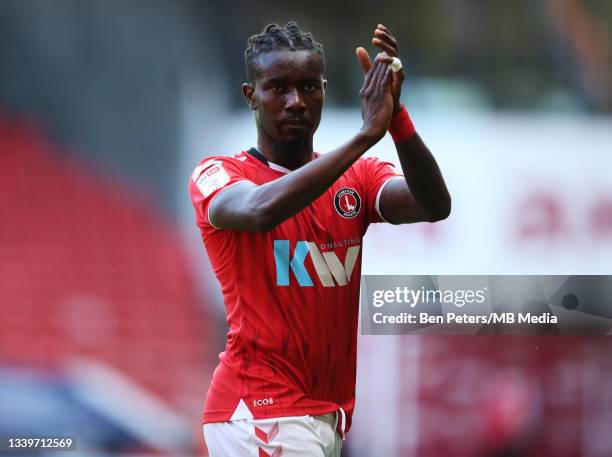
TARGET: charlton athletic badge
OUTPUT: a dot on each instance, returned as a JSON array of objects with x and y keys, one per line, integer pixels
[{"x": 347, "y": 202}]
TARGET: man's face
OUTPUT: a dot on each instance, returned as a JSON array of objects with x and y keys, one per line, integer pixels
[{"x": 288, "y": 95}]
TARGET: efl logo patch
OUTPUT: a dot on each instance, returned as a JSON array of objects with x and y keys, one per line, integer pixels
[
  {"x": 347, "y": 202},
  {"x": 212, "y": 178}
]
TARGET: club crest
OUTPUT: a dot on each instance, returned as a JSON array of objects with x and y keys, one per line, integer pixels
[{"x": 347, "y": 202}]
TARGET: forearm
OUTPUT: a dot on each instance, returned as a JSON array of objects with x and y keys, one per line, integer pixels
[
  {"x": 424, "y": 178},
  {"x": 278, "y": 200}
]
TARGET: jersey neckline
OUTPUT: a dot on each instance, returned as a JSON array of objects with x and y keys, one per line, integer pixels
[{"x": 258, "y": 156}]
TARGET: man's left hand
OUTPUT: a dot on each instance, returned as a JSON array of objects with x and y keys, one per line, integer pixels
[{"x": 386, "y": 42}]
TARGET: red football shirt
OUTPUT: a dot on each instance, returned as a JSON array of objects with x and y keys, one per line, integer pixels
[{"x": 291, "y": 294}]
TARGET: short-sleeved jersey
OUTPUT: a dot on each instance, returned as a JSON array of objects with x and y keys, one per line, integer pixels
[{"x": 291, "y": 294}]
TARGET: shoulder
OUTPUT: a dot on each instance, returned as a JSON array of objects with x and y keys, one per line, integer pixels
[
  {"x": 374, "y": 161},
  {"x": 233, "y": 163},
  {"x": 216, "y": 172},
  {"x": 370, "y": 165}
]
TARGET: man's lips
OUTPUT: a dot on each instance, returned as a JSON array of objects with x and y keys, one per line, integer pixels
[{"x": 296, "y": 122}]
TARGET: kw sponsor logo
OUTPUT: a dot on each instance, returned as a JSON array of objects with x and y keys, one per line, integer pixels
[{"x": 327, "y": 265}]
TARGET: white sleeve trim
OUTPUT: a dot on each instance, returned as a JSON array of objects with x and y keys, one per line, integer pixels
[
  {"x": 377, "y": 202},
  {"x": 213, "y": 199}
]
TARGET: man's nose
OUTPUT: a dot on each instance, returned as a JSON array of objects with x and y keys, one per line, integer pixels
[{"x": 295, "y": 101}]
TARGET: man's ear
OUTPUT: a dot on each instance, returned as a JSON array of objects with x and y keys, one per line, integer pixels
[
  {"x": 324, "y": 84},
  {"x": 247, "y": 91}
]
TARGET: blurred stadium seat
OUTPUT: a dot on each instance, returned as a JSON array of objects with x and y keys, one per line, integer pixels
[{"x": 90, "y": 270}]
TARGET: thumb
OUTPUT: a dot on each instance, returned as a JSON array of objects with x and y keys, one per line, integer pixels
[{"x": 364, "y": 59}]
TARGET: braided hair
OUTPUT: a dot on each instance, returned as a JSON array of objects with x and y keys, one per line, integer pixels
[{"x": 277, "y": 38}]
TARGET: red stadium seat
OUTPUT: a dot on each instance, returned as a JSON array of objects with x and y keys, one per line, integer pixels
[{"x": 89, "y": 268}]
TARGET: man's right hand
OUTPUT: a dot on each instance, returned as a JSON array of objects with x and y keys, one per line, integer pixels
[{"x": 377, "y": 99}]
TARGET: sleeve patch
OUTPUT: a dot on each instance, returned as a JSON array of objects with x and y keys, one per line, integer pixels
[{"x": 212, "y": 178}]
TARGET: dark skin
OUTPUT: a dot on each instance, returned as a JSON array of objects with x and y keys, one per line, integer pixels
[{"x": 287, "y": 98}]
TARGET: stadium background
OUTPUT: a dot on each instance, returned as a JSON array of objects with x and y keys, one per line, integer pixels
[{"x": 110, "y": 320}]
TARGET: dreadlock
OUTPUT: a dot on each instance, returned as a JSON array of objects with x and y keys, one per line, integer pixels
[{"x": 276, "y": 38}]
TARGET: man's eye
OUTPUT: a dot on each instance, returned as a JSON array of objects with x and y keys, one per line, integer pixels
[
  {"x": 278, "y": 88},
  {"x": 310, "y": 87}
]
